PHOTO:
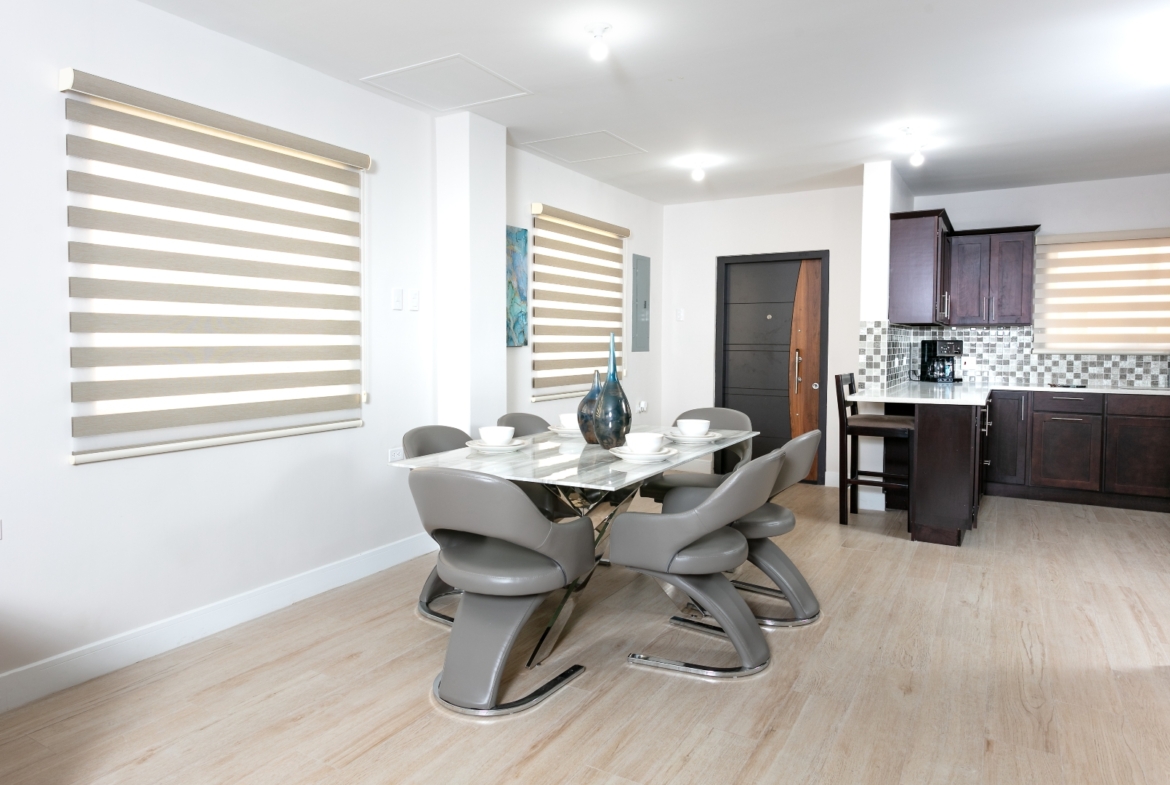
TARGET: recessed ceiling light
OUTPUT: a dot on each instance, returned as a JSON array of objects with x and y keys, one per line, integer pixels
[
  {"x": 918, "y": 159},
  {"x": 697, "y": 175},
  {"x": 598, "y": 50}
]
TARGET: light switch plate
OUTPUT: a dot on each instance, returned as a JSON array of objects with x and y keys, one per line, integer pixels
[
  {"x": 396, "y": 454},
  {"x": 396, "y": 299},
  {"x": 413, "y": 294}
]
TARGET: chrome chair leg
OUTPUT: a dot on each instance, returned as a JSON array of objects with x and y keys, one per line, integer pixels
[
  {"x": 792, "y": 587},
  {"x": 434, "y": 589},
  {"x": 707, "y": 671},
  {"x": 528, "y": 701}
]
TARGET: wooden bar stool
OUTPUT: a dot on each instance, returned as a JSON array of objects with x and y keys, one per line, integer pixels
[{"x": 886, "y": 426}]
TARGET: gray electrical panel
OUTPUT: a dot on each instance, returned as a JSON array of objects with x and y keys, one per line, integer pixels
[{"x": 641, "y": 341}]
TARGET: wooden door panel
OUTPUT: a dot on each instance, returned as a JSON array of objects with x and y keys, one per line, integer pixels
[
  {"x": 769, "y": 416},
  {"x": 1137, "y": 455},
  {"x": 969, "y": 279},
  {"x": 756, "y": 369},
  {"x": 762, "y": 282},
  {"x": 1007, "y": 438},
  {"x": 1012, "y": 259},
  {"x": 1066, "y": 451},
  {"x": 805, "y": 413},
  {"x": 750, "y": 324}
]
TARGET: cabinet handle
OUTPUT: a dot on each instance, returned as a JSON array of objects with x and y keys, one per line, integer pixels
[
  {"x": 1069, "y": 419},
  {"x": 1066, "y": 398},
  {"x": 991, "y": 310},
  {"x": 946, "y": 305},
  {"x": 983, "y": 310}
]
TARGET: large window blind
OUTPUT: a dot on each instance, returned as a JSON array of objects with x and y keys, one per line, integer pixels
[
  {"x": 577, "y": 292},
  {"x": 1103, "y": 294},
  {"x": 215, "y": 276}
]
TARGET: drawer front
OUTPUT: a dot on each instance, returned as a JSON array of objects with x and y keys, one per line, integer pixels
[
  {"x": 1073, "y": 401},
  {"x": 1066, "y": 451},
  {"x": 1138, "y": 405}
]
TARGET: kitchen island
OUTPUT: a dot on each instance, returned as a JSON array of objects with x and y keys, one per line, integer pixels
[{"x": 1101, "y": 445}]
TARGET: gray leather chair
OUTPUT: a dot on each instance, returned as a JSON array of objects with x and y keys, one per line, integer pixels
[
  {"x": 428, "y": 440},
  {"x": 687, "y": 551},
  {"x": 772, "y": 520},
  {"x": 506, "y": 557},
  {"x": 524, "y": 423},
  {"x": 732, "y": 457}
]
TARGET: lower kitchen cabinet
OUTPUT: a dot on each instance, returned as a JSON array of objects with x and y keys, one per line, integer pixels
[
  {"x": 1006, "y": 451},
  {"x": 1137, "y": 455},
  {"x": 1066, "y": 451}
]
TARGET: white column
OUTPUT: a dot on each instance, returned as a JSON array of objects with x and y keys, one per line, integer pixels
[
  {"x": 876, "y": 199},
  {"x": 469, "y": 286}
]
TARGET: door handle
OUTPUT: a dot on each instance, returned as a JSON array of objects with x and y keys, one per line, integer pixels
[{"x": 798, "y": 362}]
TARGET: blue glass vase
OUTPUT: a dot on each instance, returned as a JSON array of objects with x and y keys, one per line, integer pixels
[
  {"x": 586, "y": 409},
  {"x": 612, "y": 417}
]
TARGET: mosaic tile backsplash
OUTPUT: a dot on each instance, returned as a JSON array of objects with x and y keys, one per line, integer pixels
[{"x": 888, "y": 353}]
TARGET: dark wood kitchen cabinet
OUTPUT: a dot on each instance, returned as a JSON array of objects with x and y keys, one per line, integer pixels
[
  {"x": 1006, "y": 446},
  {"x": 991, "y": 276},
  {"x": 947, "y": 472},
  {"x": 918, "y": 267},
  {"x": 1137, "y": 445},
  {"x": 1066, "y": 450}
]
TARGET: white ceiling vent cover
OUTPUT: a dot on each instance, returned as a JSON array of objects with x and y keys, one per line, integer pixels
[
  {"x": 585, "y": 147},
  {"x": 448, "y": 83}
]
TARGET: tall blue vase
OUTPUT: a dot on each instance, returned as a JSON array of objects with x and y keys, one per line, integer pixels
[
  {"x": 612, "y": 417},
  {"x": 587, "y": 407}
]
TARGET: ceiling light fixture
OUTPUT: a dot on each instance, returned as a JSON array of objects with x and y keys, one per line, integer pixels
[
  {"x": 917, "y": 159},
  {"x": 598, "y": 50},
  {"x": 915, "y": 142},
  {"x": 697, "y": 175},
  {"x": 698, "y": 163}
]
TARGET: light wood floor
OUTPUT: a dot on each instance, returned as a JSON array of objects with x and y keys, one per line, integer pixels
[{"x": 1036, "y": 653}]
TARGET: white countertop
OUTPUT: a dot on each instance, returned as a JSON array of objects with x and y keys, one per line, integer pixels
[{"x": 973, "y": 394}]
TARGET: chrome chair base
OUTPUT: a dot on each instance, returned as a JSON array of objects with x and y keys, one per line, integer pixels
[
  {"x": 537, "y": 696},
  {"x": 427, "y": 612},
  {"x": 698, "y": 626},
  {"x": 706, "y": 671},
  {"x": 772, "y": 621}
]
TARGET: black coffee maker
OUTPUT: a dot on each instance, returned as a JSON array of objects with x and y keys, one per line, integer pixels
[{"x": 940, "y": 360}]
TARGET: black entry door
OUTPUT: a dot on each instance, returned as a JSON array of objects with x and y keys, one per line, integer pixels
[{"x": 759, "y": 298}]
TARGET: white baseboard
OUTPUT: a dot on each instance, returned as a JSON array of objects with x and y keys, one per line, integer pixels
[{"x": 29, "y": 682}]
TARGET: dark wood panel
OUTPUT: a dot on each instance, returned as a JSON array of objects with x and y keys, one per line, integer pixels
[
  {"x": 1071, "y": 401},
  {"x": 1066, "y": 451},
  {"x": 760, "y": 370},
  {"x": 969, "y": 278},
  {"x": 1098, "y": 499},
  {"x": 945, "y": 473},
  {"x": 914, "y": 268},
  {"x": 769, "y": 416},
  {"x": 762, "y": 282},
  {"x": 759, "y": 323},
  {"x": 1007, "y": 438},
  {"x": 1012, "y": 263},
  {"x": 1137, "y": 455},
  {"x": 1138, "y": 405}
]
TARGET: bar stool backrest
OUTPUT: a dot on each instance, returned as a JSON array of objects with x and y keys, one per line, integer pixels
[
  {"x": 845, "y": 386},
  {"x": 430, "y": 439},
  {"x": 524, "y": 423},
  {"x": 729, "y": 420}
]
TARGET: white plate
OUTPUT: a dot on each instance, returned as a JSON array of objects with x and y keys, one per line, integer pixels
[
  {"x": 676, "y": 436},
  {"x": 642, "y": 457},
  {"x": 573, "y": 433},
  {"x": 496, "y": 449}
]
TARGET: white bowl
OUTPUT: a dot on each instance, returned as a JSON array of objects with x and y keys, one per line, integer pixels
[
  {"x": 569, "y": 420},
  {"x": 496, "y": 434},
  {"x": 693, "y": 427},
  {"x": 644, "y": 443}
]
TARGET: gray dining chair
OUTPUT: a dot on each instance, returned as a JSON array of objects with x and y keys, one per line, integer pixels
[
  {"x": 688, "y": 550},
  {"x": 506, "y": 557},
  {"x": 524, "y": 423},
  {"x": 732, "y": 457},
  {"x": 761, "y": 525},
  {"x": 428, "y": 440}
]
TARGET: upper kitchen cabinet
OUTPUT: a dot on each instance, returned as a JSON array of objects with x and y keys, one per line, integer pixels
[
  {"x": 918, "y": 267},
  {"x": 991, "y": 275}
]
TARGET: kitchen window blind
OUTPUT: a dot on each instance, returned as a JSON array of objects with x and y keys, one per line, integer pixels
[
  {"x": 1103, "y": 294},
  {"x": 577, "y": 292},
  {"x": 215, "y": 276}
]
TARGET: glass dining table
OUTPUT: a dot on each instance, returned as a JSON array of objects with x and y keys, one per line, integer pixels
[{"x": 591, "y": 480}]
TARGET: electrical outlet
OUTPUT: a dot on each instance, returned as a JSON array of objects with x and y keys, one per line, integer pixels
[
  {"x": 968, "y": 363},
  {"x": 396, "y": 454},
  {"x": 642, "y": 406}
]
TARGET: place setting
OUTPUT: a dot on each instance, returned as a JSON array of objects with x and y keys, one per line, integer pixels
[
  {"x": 568, "y": 428},
  {"x": 693, "y": 432},
  {"x": 496, "y": 440},
  {"x": 644, "y": 448}
]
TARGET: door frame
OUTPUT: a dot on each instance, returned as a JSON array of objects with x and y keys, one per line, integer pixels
[{"x": 720, "y": 318}]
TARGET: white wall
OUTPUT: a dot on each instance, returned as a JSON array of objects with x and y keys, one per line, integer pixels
[
  {"x": 533, "y": 179},
  {"x": 94, "y": 551},
  {"x": 695, "y": 235},
  {"x": 1065, "y": 208}
]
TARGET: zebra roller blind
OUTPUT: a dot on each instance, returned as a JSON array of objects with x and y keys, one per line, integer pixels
[
  {"x": 1103, "y": 294},
  {"x": 578, "y": 282},
  {"x": 215, "y": 276}
]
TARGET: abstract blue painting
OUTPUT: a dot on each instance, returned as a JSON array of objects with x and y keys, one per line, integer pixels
[{"x": 517, "y": 286}]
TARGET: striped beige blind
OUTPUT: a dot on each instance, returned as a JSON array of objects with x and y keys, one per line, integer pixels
[
  {"x": 577, "y": 298},
  {"x": 215, "y": 276},
  {"x": 1103, "y": 294}
]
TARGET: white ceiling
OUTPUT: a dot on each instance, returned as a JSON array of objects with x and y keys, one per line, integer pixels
[{"x": 795, "y": 95}]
